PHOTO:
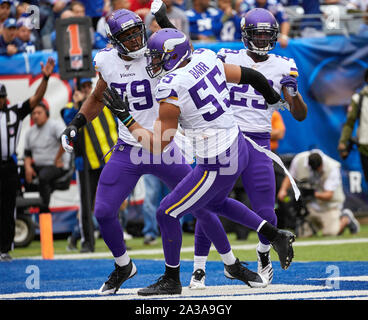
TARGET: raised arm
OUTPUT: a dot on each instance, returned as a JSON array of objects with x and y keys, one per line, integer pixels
[{"x": 40, "y": 92}]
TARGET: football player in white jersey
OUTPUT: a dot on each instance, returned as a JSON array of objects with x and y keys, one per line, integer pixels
[
  {"x": 123, "y": 68},
  {"x": 193, "y": 93},
  {"x": 259, "y": 34}
]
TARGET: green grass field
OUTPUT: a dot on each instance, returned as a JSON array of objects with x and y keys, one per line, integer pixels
[{"x": 315, "y": 252}]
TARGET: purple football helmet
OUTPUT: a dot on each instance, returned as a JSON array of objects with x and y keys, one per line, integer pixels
[
  {"x": 130, "y": 25},
  {"x": 259, "y": 30},
  {"x": 166, "y": 50}
]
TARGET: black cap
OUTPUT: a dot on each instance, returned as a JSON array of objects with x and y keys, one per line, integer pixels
[{"x": 2, "y": 90}]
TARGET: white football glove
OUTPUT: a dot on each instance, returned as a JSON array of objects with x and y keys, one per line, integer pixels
[
  {"x": 156, "y": 5},
  {"x": 66, "y": 137},
  {"x": 281, "y": 104}
]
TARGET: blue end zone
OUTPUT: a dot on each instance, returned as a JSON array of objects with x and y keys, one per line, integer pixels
[{"x": 77, "y": 275}]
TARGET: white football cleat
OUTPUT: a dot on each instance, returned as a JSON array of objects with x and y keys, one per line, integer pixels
[
  {"x": 265, "y": 265},
  {"x": 197, "y": 280}
]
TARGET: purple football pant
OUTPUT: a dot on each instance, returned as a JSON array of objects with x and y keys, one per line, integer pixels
[
  {"x": 118, "y": 179},
  {"x": 259, "y": 183},
  {"x": 207, "y": 186}
]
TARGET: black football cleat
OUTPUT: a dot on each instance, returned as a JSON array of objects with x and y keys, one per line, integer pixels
[
  {"x": 164, "y": 285},
  {"x": 117, "y": 277},
  {"x": 250, "y": 278},
  {"x": 283, "y": 245}
]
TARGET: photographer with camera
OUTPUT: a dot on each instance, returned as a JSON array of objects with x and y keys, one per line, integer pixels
[
  {"x": 357, "y": 111},
  {"x": 323, "y": 181}
]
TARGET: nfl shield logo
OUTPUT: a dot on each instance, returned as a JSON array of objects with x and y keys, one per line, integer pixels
[{"x": 76, "y": 62}]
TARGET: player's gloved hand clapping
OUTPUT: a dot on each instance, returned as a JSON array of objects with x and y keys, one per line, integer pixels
[
  {"x": 291, "y": 85},
  {"x": 118, "y": 106}
]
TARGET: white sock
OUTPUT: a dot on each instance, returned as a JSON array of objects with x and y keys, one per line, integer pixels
[
  {"x": 263, "y": 247},
  {"x": 122, "y": 260},
  {"x": 228, "y": 258},
  {"x": 199, "y": 263}
]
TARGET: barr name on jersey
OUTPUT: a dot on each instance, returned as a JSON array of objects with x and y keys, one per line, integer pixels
[{"x": 198, "y": 70}]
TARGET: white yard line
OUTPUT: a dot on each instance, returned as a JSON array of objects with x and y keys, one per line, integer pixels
[
  {"x": 239, "y": 292},
  {"x": 148, "y": 252}
]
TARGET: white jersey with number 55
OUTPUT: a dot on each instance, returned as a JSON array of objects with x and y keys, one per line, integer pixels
[{"x": 199, "y": 90}]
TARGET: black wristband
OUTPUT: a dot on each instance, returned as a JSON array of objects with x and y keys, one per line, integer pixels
[
  {"x": 162, "y": 19},
  {"x": 79, "y": 121},
  {"x": 259, "y": 82},
  {"x": 45, "y": 77}
]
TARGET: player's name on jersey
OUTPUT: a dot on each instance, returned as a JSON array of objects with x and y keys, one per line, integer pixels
[{"x": 198, "y": 70}]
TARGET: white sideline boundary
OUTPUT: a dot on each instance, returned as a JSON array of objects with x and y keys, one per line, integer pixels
[
  {"x": 148, "y": 252},
  {"x": 238, "y": 292}
]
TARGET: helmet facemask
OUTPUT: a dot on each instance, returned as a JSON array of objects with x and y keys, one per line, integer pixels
[
  {"x": 131, "y": 35},
  {"x": 167, "y": 49},
  {"x": 260, "y": 40}
]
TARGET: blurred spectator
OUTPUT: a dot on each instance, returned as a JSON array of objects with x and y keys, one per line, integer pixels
[
  {"x": 360, "y": 6},
  {"x": 98, "y": 41},
  {"x": 278, "y": 130},
  {"x": 4, "y": 12},
  {"x": 277, "y": 10},
  {"x": 94, "y": 9},
  {"x": 204, "y": 21},
  {"x": 58, "y": 6},
  {"x": 78, "y": 8},
  {"x": 115, "y": 5},
  {"x": 44, "y": 155},
  {"x": 322, "y": 185},
  {"x": 357, "y": 5},
  {"x": 47, "y": 22},
  {"x": 93, "y": 142},
  {"x": 230, "y": 20},
  {"x": 183, "y": 4},
  {"x": 309, "y": 27},
  {"x": 141, "y": 7},
  {"x": 177, "y": 17},
  {"x": 25, "y": 34},
  {"x": 21, "y": 9},
  {"x": 357, "y": 112},
  {"x": 9, "y": 43}
]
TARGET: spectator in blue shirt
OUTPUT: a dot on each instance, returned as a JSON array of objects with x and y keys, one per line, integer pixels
[
  {"x": 277, "y": 10},
  {"x": 309, "y": 27},
  {"x": 94, "y": 9},
  {"x": 5, "y": 11},
  {"x": 9, "y": 43},
  {"x": 31, "y": 42},
  {"x": 204, "y": 21},
  {"x": 230, "y": 19}
]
